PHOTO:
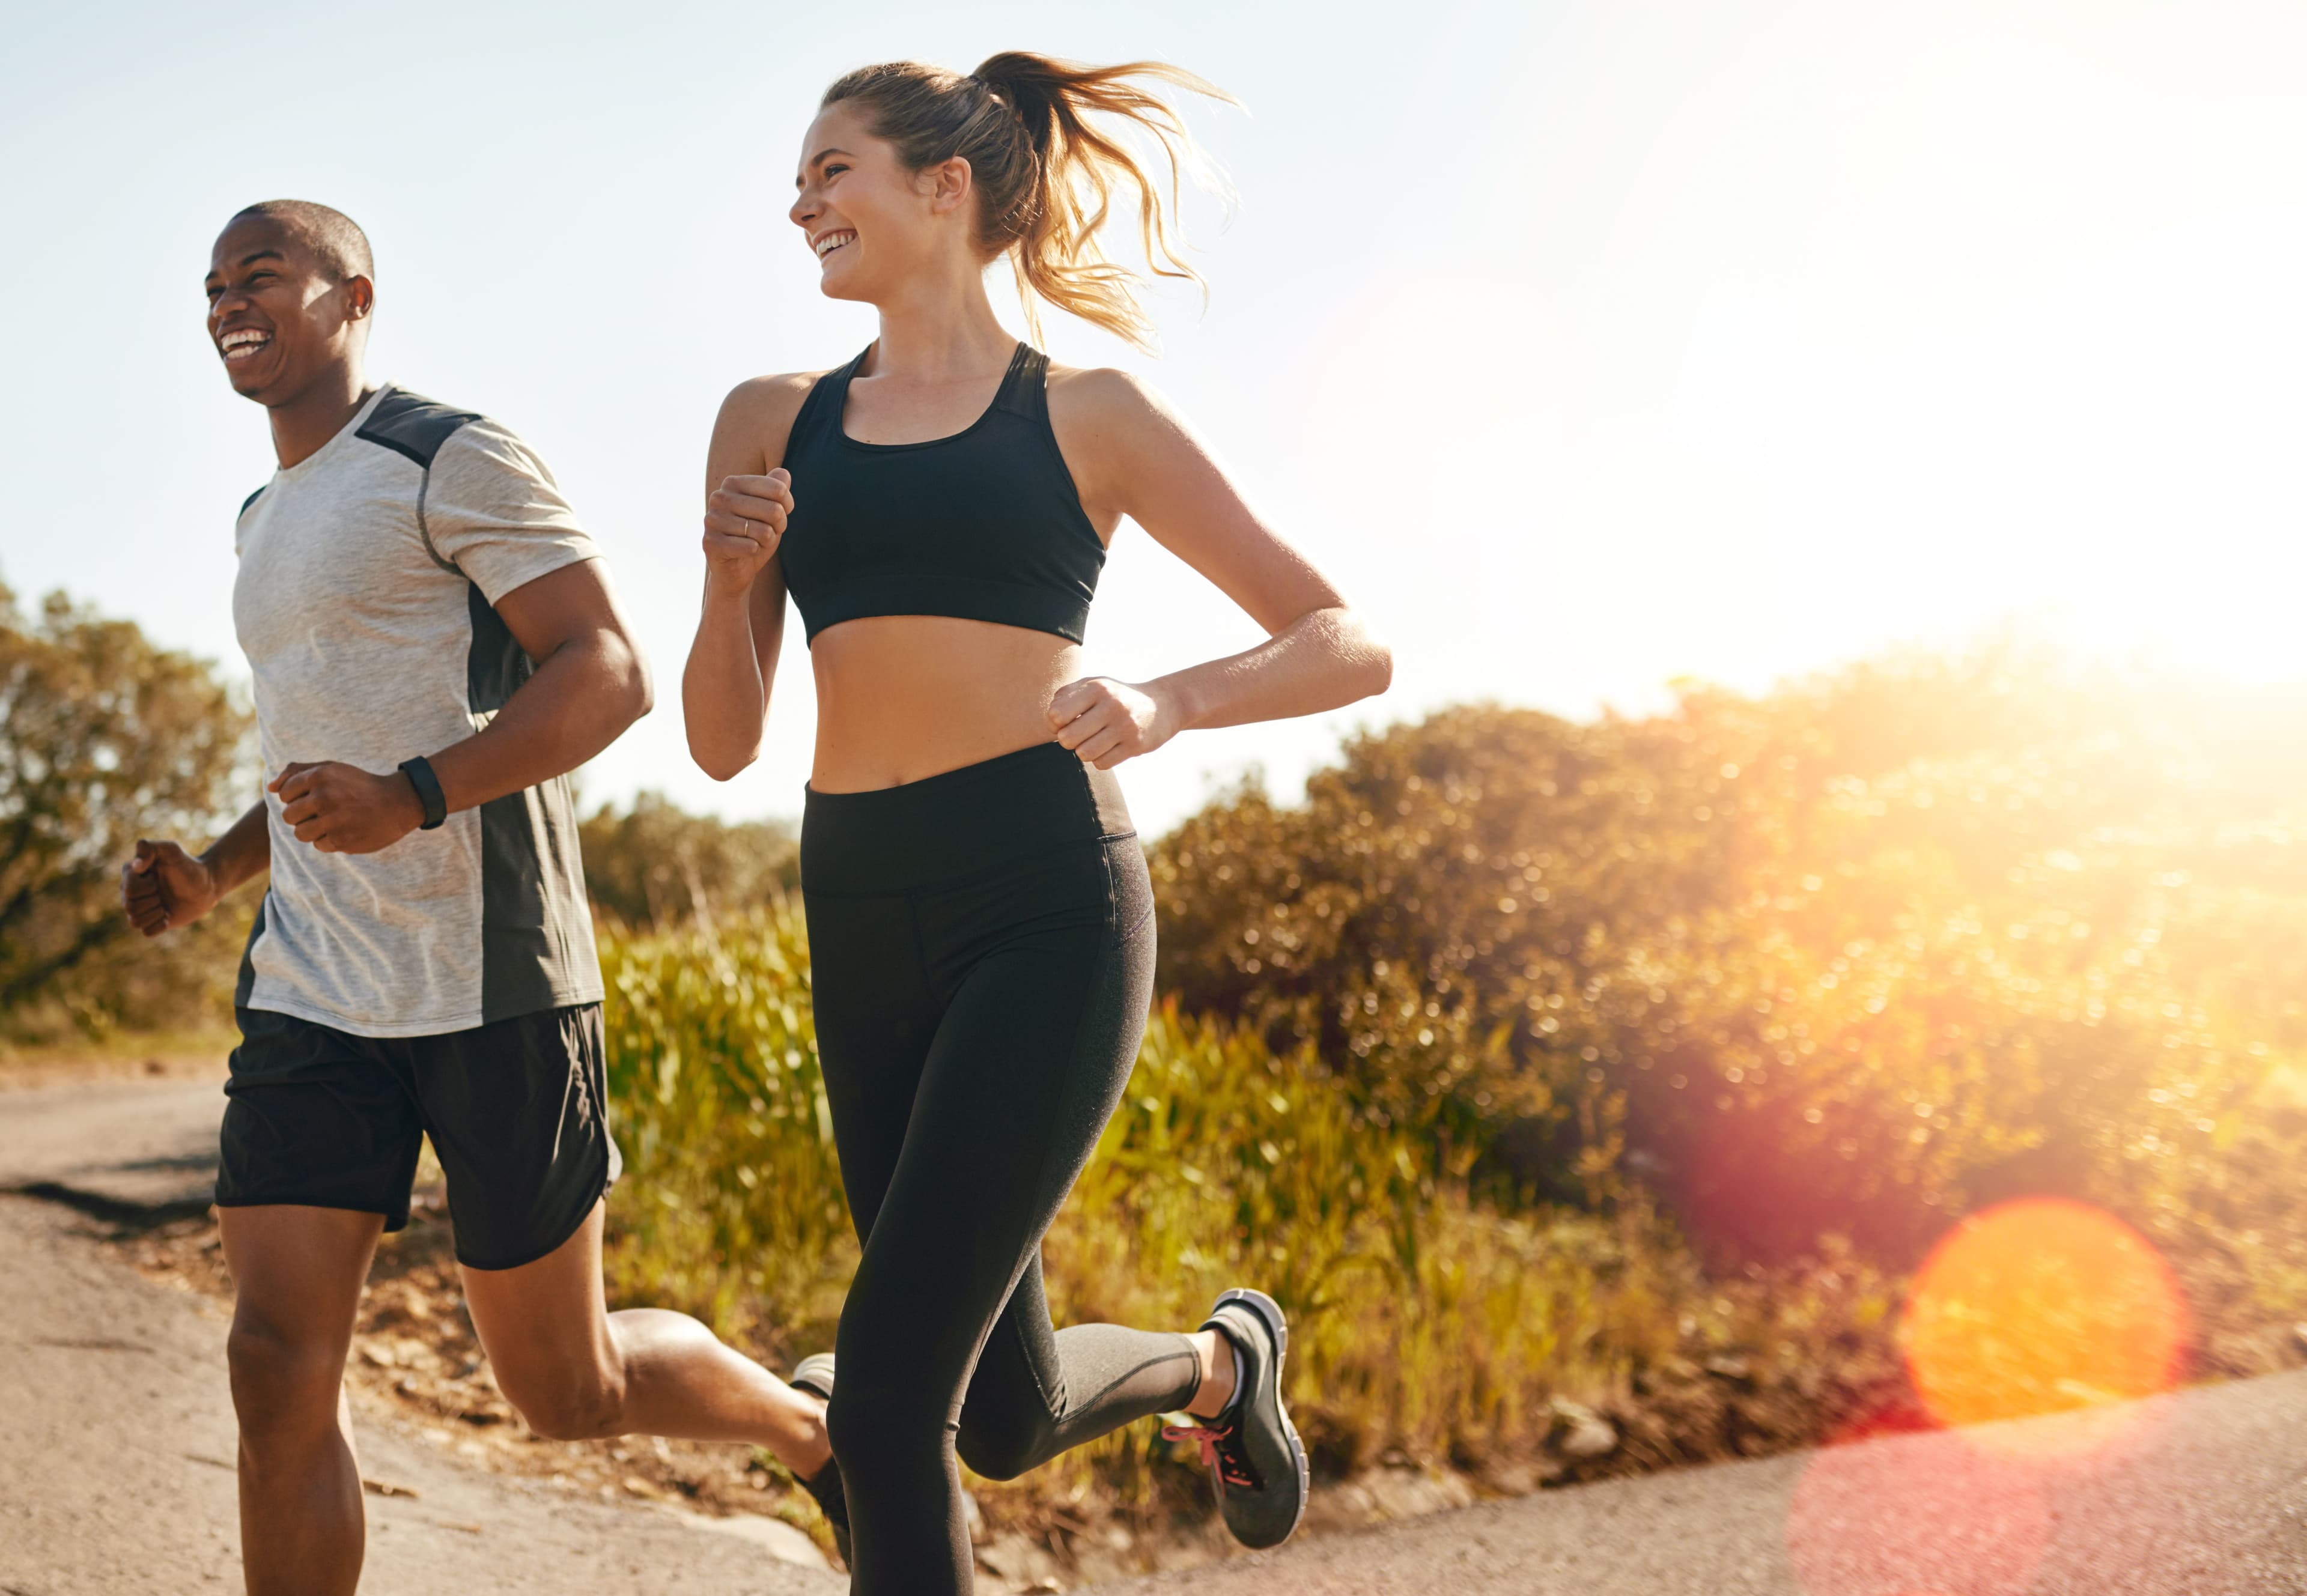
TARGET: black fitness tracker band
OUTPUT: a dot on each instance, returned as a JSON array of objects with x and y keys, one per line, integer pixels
[{"x": 419, "y": 772}]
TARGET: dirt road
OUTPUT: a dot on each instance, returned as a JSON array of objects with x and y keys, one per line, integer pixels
[
  {"x": 115, "y": 1441},
  {"x": 117, "y": 1431},
  {"x": 2205, "y": 1495}
]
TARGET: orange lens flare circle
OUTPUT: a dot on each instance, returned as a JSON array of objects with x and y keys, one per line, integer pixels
[{"x": 2044, "y": 1306}]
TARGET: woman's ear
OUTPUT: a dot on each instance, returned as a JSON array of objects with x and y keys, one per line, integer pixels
[{"x": 951, "y": 181}]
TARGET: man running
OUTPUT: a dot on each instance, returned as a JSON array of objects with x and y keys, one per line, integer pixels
[{"x": 435, "y": 646}]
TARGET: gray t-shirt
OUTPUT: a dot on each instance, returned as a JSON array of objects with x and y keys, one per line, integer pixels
[{"x": 364, "y": 603}]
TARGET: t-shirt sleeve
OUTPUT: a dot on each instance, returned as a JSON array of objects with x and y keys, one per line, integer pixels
[{"x": 491, "y": 510}]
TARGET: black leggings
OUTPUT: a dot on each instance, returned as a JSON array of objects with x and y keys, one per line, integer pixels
[{"x": 982, "y": 953}]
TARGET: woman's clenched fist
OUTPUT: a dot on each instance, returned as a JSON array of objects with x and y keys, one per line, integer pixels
[
  {"x": 1105, "y": 722},
  {"x": 744, "y": 521}
]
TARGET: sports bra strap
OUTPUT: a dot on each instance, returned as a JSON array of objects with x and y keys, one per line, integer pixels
[
  {"x": 828, "y": 396},
  {"x": 1024, "y": 388}
]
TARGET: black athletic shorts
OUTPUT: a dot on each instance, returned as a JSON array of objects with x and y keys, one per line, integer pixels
[{"x": 516, "y": 1110}]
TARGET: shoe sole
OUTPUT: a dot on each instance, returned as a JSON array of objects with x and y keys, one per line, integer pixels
[
  {"x": 1277, "y": 1324},
  {"x": 806, "y": 1375},
  {"x": 814, "y": 1375}
]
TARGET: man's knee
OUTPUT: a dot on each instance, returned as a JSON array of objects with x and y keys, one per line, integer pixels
[
  {"x": 282, "y": 1384},
  {"x": 563, "y": 1408}
]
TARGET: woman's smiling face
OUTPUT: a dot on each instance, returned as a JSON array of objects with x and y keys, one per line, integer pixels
[{"x": 871, "y": 222}]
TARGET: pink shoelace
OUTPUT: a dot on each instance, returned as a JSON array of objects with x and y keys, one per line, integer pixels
[{"x": 1224, "y": 1466}]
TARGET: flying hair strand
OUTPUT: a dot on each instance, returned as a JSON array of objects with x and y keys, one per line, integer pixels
[{"x": 1050, "y": 147}]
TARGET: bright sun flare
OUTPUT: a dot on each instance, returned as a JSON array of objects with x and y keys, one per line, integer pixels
[{"x": 2043, "y": 1305}]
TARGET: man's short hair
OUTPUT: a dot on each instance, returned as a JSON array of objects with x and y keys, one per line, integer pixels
[{"x": 332, "y": 235}]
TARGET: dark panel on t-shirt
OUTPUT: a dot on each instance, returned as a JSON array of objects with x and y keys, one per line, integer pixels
[
  {"x": 411, "y": 424},
  {"x": 495, "y": 665},
  {"x": 245, "y": 988},
  {"x": 528, "y": 847}
]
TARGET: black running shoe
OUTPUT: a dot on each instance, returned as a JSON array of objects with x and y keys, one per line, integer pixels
[
  {"x": 814, "y": 1375},
  {"x": 1251, "y": 1449}
]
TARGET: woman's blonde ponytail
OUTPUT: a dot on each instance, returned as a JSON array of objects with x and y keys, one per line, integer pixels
[{"x": 1047, "y": 163}]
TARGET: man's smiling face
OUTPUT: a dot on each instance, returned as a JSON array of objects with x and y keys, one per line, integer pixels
[{"x": 279, "y": 316}]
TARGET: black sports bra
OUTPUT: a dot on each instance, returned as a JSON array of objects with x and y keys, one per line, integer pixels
[{"x": 985, "y": 525}]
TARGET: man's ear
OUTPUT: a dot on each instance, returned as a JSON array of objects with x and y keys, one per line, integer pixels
[
  {"x": 953, "y": 180},
  {"x": 360, "y": 298}
]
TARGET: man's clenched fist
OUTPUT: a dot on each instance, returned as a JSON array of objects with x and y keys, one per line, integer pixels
[
  {"x": 342, "y": 809},
  {"x": 164, "y": 887}
]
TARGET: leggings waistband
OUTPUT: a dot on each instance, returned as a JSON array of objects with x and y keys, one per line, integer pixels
[{"x": 957, "y": 823}]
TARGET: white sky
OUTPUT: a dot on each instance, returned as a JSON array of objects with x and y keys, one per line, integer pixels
[{"x": 1589, "y": 345}]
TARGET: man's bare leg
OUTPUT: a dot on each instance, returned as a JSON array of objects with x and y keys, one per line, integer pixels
[
  {"x": 579, "y": 1372},
  {"x": 297, "y": 1273}
]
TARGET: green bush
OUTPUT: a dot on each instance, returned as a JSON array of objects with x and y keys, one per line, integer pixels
[
  {"x": 731, "y": 1206},
  {"x": 1533, "y": 1059},
  {"x": 657, "y": 865},
  {"x": 104, "y": 738},
  {"x": 1422, "y": 1321},
  {"x": 1855, "y": 956}
]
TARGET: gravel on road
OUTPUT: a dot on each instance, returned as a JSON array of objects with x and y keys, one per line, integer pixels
[{"x": 2201, "y": 1493}]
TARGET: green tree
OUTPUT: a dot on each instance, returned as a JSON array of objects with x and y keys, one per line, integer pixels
[
  {"x": 104, "y": 738},
  {"x": 655, "y": 865},
  {"x": 1855, "y": 955}
]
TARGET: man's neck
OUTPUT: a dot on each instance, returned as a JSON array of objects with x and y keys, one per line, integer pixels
[{"x": 303, "y": 425}]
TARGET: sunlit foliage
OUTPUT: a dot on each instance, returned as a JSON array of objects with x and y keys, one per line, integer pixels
[
  {"x": 1851, "y": 958},
  {"x": 1630, "y": 1061},
  {"x": 104, "y": 738},
  {"x": 733, "y": 1205},
  {"x": 655, "y": 864},
  {"x": 1421, "y": 1320},
  {"x": 1461, "y": 1055}
]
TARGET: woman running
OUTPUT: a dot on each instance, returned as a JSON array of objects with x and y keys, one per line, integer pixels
[{"x": 980, "y": 917}]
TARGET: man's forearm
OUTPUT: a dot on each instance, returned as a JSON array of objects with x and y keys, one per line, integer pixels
[
  {"x": 243, "y": 852},
  {"x": 581, "y": 700}
]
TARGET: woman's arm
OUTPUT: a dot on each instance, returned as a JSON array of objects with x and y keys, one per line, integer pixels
[
  {"x": 732, "y": 662},
  {"x": 1135, "y": 455}
]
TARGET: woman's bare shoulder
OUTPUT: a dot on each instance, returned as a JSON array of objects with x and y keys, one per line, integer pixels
[
  {"x": 1108, "y": 411},
  {"x": 1104, "y": 392},
  {"x": 756, "y": 416},
  {"x": 1104, "y": 406},
  {"x": 772, "y": 399}
]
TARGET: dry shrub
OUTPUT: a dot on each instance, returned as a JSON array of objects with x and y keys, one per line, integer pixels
[
  {"x": 1425, "y": 1325},
  {"x": 1857, "y": 956}
]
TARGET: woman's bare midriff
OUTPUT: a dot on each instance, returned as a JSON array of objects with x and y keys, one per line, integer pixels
[{"x": 903, "y": 697}]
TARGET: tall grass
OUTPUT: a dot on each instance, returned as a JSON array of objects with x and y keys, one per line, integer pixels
[
  {"x": 1424, "y": 1325},
  {"x": 731, "y": 1204}
]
